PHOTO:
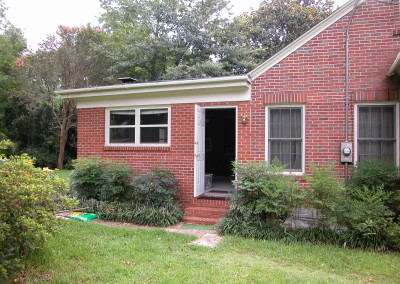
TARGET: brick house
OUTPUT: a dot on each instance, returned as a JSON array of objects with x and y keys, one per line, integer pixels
[{"x": 298, "y": 106}]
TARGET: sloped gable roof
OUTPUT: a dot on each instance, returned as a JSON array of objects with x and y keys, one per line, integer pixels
[{"x": 306, "y": 37}]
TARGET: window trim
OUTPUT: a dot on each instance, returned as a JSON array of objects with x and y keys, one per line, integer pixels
[
  {"x": 303, "y": 146},
  {"x": 396, "y": 125},
  {"x": 137, "y": 127}
]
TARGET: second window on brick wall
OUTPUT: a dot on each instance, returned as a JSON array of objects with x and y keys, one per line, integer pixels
[
  {"x": 285, "y": 136},
  {"x": 138, "y": 126}
]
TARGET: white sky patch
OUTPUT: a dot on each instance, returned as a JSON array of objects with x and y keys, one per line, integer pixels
[{"x": 39, "y": 18}]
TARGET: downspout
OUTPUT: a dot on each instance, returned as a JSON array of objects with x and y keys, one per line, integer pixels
[{"x": 347, "y": 82}]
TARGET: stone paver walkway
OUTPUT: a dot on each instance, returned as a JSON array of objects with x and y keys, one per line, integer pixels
[{"x": 206, "y": 238}]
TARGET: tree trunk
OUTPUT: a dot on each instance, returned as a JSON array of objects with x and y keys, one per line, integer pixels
[{"x": 61, "y": 149}]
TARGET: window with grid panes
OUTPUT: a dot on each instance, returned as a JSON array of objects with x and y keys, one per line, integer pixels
[
  {"x": 285, "y": 136},
  {"x": 138, "y": 126},
  {"x": 376, "y": 136}
]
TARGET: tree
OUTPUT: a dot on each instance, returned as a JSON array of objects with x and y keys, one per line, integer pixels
[
  {"x": 71, "y": 60},
  {"x": 279, "y": 22},
  {"x": 164, "y": 39},
  {"x": 11, "y": 45}
]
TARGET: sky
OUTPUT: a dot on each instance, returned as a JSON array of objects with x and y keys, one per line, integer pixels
[{"x": 39, "y": 18}]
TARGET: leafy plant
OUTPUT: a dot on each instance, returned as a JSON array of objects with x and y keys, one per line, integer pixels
[
  {"x": 142, "y": 214},
  {"x": 29, "y": 197},
  {"x": 263, "y": 190},
  {"x": 101, "y": 179},
  {"x": 157, "y": 187}
]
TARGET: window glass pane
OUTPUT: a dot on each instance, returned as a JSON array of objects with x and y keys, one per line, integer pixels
[
  {"x": 153, "y": 116},
  {"x": 122, "y": 117},
  {"x": 122, "y": 135},
  {"x": 388, "y": 120},
  {"x": 154, "y": 135},
  {"x": 363, "y": 122},
  {"x": 295, "y": 123}
]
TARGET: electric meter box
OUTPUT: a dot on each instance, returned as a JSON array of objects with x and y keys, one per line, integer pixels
[{"x": 346, "y": 152}]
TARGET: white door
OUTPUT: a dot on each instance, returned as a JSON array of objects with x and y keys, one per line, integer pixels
[{"x": 199, "y": 150}]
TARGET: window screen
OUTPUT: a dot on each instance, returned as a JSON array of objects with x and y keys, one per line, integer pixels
[
  {"x": 285, "y": 137},
  {"x": 376, "y": 132},
  {"x": 122, "y": 126}
]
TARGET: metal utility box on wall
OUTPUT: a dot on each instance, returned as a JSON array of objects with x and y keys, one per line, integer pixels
[{"x": 346, "y": 152}]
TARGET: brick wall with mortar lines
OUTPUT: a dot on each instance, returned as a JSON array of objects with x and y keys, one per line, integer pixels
[
  {"x": 316, "y": 73},
  {"x": 178, "y": 157}
]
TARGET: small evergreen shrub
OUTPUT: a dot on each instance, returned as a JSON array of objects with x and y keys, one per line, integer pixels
[
  {"x": 157, "y": 187},
  {"x": 101, "y": 179},
  {"x": 358, "y": 212},
  {"x": 376, "y": 173},
  {"x": 29, "y": 198},
  {"x": 262, "y": 201}
]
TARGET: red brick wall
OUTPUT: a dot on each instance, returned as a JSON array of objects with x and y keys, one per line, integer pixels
[{"x": 315, "y": 75}]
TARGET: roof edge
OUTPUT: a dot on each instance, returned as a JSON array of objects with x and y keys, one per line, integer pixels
[
  {"x": 178, "y": 84},
  {"x": 395, "y": 68},
  {"x": 306, "y": 37}
]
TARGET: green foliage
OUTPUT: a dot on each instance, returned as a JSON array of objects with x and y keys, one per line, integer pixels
[
  {"x": 279, "y": 22},
  {"x": 157, "y": 187},
  {"x": 263, "y": 191},
  {"x": 359, "y": 212},
  {"x": 29, "y": 198},
  {"x": 163, "y": 215},
  {"x": 5, "y": 146},
  {"x": 101, "y": 179},
  {"x": 376, "y": 173}
]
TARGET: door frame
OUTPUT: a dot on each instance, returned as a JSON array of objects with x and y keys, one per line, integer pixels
[{"x": 235, "y": 107}]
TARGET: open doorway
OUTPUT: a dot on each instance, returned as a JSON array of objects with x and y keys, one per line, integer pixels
[{"x": 220, "y": 149}]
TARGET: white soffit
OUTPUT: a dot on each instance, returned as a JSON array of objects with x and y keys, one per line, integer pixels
[
  {"x": 395, "y": 68},
  {"x": 220, "y": 89},
  {"x": 309, "y": 35}
]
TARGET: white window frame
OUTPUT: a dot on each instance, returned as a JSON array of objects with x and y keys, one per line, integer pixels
[
  {"x": 396, "y": 126},
  {"x": 303, "y": 147},
  {"x": 137, "y": 127}
]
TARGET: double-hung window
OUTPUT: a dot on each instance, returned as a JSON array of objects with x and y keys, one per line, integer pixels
[
  {"x": 285, "y": 128},
  {"x": 138, "y": 126},
  {"x": 376, "y": 132}
]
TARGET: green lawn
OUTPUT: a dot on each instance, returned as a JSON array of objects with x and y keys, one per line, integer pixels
[
  {"x": 64, "y": 173},
  {"x": 93, "y": 253}
]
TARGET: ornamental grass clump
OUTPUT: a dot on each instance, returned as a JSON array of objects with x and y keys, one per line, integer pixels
[{"x": 29, "y": 199}]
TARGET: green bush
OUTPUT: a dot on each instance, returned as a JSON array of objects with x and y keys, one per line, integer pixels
[
  {"x": 140, "y": 214},
  {"x": 101, "y": 179},
  {"x": 29, "y": 198},
  {"x": 359, "y": 212},
  {"x": 376, "y": 173},
  {"x": 157, "y": 187},
  {"x": 262, "y": 201}
]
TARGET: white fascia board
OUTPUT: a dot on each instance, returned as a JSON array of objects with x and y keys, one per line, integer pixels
[
  {"x": 395, "y": 68},
  {"x": 309, "y": 35},
  {"x": 226, "y": 89},
  {"x": 154, "y": 87}
]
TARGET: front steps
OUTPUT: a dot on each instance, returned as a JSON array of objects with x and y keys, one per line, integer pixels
[{"x": 204, "y": 215}]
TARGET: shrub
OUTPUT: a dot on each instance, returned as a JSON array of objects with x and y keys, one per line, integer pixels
[
  {"x": 157, "y": 187},
  {"x": 262, "y": 201},
  {"x": 360, "y": 213},
  {"x": 29, "y": 198},
  {"x": 141, "y": 214},
  {"x": 376, "y": 173},
  {"x": 101, "y": 179}
]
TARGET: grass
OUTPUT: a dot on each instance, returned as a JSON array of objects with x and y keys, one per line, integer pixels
[
  {"x": 93, "y": 253},
  {"x": 64, "y": 173}
]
